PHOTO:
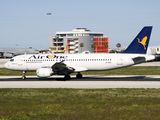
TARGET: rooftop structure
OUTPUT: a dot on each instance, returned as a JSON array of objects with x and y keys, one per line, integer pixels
[{"x": 79, "y": 32}]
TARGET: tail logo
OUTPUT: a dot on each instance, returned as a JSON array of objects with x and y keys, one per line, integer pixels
[{"x": 143, "y": 42}]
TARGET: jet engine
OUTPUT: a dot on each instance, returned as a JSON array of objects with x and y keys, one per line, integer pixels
[{"x": 44, "y": 72}]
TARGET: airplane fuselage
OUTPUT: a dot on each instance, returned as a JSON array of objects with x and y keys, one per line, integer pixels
[{"x": 82, "y": 62}]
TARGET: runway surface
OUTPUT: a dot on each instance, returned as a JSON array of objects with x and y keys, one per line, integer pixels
[{"x": 88, "y": 82}]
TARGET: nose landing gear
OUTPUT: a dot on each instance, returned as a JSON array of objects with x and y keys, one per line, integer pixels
[{"x": 24, "y": 75}]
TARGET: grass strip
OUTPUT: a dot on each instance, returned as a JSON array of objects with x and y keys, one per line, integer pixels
[
  {"x": 133, "y": 70},
  {"x": 89, "y": 104}
]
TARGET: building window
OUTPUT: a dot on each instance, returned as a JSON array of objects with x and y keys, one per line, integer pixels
[
  {"x": 61, "y": 35},
  {"x": 97, "y": 35},
  {"x": 60, "y": 40},
  {"x": 69, "y": 34},
  {"x": 60, "y": 44},
  {"x": 54, "y": 40}
]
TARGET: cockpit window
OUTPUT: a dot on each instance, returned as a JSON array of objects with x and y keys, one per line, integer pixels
[{"x": 11, "y": 60}]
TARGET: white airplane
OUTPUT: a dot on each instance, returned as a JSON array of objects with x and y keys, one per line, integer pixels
[
  {"x": 65, "y": 64},
  {"x": 11, "y": 52}
]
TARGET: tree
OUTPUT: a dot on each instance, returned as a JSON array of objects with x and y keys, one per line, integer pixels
[
  {"x": 105, "y": 46},
  {"x": 81, "y": 45},
  {"x": 118, "y": 46},
  {"x": 93, "y": 46},
  {"x": 112, "y": 51}
]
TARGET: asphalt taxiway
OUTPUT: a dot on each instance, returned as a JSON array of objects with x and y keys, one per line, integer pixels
[{"x": 88, "y": 82}]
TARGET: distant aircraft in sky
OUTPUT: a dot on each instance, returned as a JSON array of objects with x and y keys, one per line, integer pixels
[
  {"x": 47, "y": 65},
  {"x": 11, "y": 52}
]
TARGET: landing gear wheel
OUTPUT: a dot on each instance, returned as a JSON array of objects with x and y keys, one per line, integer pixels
[
  {"x": 67, "y": 77},
  {"x": 79, "y": 76},
  {"x": 24, "y": 75}
]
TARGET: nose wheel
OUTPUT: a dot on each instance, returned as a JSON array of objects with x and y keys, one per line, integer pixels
[{"x": 24, "y": 75}]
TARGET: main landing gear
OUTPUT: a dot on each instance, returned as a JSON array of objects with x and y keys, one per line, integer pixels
[
  {"x": 24, "y": 75},
  {"x": 67, "y": 77},
  {"x": 79, "y": 76}
]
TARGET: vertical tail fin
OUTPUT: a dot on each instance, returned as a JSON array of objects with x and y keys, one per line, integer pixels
[{"x": 140, "y": 44}]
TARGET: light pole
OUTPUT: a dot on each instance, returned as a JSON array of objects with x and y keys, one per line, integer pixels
[
  {"x": 49, "y": 14},
  {"x": 57, "y": 37}
]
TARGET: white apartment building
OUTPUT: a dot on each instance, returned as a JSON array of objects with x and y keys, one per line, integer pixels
[{"x": 69, "y": 41}]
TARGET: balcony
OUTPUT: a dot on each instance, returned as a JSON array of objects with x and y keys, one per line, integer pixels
[
  {"x": 76, "y": 49},
  {"x": 76, "y": 45},
  {"x": 71, "y": 47},
  {"x": 72, "y": 52},
  {"x": 76, "y": 41},
  {"x": 71, "y": 43}
]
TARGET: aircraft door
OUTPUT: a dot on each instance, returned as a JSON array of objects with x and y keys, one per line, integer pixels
[
  {"x": 119, "y": 60},
  {"x": 20, "y": 63}
]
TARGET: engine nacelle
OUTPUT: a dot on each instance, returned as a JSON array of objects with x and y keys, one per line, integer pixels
[{"x": 44, "y": 72}]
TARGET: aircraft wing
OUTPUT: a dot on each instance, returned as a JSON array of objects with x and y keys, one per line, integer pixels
[
  {"x": 6, "y": 50},
  {"x": 61, "y": 68},
  {"x": 79, "y": 68},
  {"x": 7, "y": 53}
]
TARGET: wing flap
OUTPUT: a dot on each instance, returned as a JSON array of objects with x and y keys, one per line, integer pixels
[{"x": 79, "y": 68}]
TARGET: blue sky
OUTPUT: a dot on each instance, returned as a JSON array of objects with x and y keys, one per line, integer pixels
[{"x": 25, "y": 22}]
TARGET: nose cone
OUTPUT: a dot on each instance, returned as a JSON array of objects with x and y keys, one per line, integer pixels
[{"x": 6, "y": 65}]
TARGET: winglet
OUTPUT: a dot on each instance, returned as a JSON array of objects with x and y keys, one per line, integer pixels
[{"x": 140, "y": 44}]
